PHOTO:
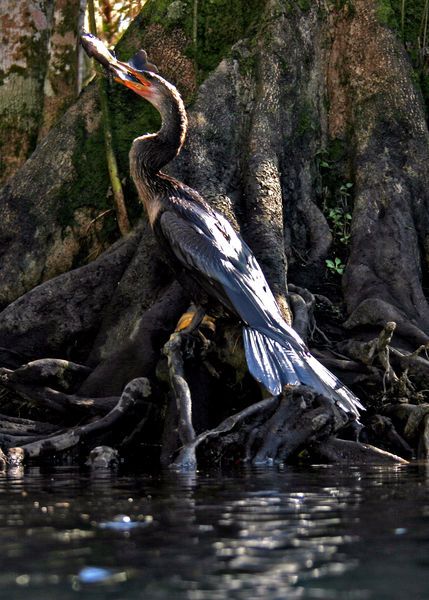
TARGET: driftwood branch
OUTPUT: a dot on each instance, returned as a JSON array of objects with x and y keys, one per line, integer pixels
[{"x": 133, "y": 391}]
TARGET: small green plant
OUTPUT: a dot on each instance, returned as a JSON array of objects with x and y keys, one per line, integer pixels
[
  {"x": 336, "y": 199},
  {"x": 339, "y": 217},
  {"x": 335, "y": 310},
  {"x": 335, "y": 266},
  {"x": 324, "y": 163},
  {"x": 340, "y": 220}
]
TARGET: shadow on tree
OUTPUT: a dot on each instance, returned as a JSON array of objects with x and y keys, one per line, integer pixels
[{"x": 314, "y": 103}]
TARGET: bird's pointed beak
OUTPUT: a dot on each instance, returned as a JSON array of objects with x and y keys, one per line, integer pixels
[{"x": 131, "y": 78}]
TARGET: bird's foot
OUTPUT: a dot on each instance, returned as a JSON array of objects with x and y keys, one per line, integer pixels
[{"x": 195, "y": 321}]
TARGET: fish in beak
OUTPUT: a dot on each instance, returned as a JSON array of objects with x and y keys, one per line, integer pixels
[{"x": 134, "y": 74}]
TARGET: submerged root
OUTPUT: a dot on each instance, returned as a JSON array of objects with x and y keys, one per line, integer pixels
[
  {"x": 174, "y": 351},
  {"x": 103, "y": 457},
  {"x": 273, "y": 430},
  {"x": 334, "y": 451}
]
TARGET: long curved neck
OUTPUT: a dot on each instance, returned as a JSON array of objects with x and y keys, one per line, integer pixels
[{"x": 149, "y": 153}]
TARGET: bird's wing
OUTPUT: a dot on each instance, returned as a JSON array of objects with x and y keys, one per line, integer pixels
[
  {"x": 206, "y": 241},
  {"x": 276, "y": 355}
]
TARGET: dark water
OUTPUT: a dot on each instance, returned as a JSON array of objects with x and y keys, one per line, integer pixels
[{"x": 316, "y": 532}]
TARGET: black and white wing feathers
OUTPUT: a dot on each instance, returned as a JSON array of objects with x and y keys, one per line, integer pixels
[
  {"x": 204, "y": 241},
  {"x": 207, "y": 242}
]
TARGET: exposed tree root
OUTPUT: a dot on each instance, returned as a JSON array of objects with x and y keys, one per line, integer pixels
[
  {"x": 302, "y": 303},
  {"x": 376, "y": 312},
  {"x": 67, "y": 406},
  {"x": 297, "y": 423},
  {"x": 386, "y": 437},
  {"x": 366, "y": 352},
  {"x": 25, "y": 427},
  {"x": 272, "y": 430},
  {"x": 173, "y": 350},
  {"x": 63, "y": 374},
  {"x": 412, "y": 421},
  {"x": 187, "y": 455},
  {"x": 334, "y": 451},
  {"x": 351, "y": 372},
  {"x": 103, "y": 457},
  {"x": 134, "y": 390}
]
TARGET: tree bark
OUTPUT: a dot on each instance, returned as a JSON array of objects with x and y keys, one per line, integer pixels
[
  {"x": 23, "y": 56},
  {"x": 372, "y": 94},
  {"x": 61, "y": 80},
  {"x": 38, "y": 61}
]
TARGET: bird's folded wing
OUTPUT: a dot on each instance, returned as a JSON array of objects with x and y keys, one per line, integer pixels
[
  {"x": 193, "y": 247},
  {"x": 208, "y": 243}
]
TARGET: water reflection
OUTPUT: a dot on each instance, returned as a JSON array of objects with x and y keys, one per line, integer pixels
[{"x": 282, "y": 533}]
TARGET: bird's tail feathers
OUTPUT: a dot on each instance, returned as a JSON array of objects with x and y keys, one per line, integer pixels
[
  {"x": 343, "y": 397},
  {"x": 276, "y": 365},
  {"x": 264, "y": 364}
]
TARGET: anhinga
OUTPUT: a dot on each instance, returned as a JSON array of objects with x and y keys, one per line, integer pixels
[{"x": 206, "y": 255}]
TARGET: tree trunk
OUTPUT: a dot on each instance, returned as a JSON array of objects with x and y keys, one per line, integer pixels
[
  {"x": 38, "y": 60},
  {"x": 309, "y": 102},
  {"x": 61, "y": 80},
  {"x": 376, "y": 110},
  {"x": 23, "y": 58}
]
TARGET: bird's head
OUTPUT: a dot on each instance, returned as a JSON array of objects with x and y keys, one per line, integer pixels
[
  {"x": 138, "y": 74},
  {"x": 142, "y": 77},
  {"x": 143, "y": 82}
]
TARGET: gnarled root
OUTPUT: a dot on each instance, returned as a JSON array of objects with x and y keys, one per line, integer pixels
[
  {"x": 134, "y": 390},
  {"x": 27, "y": 382},
  {"x": 189, "y": 375},
  {"x": 274, "y": 429},
  {"x": 366, "y": 352},
  {"x": 413, "y": 422},
  {"x": 383, "y": 434},
  {"x": 174, "y": 349}
]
